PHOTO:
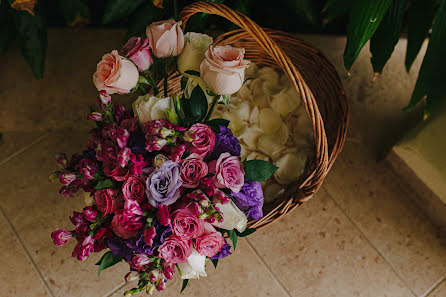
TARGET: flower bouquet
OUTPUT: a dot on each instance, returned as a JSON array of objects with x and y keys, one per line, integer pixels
[{"x": 164, "y": 183}]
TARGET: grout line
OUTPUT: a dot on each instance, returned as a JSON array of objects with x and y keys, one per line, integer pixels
[
  {"x": 434, "y": 287},
  {"x": 18, "y": 152},
  {"x": 17, "y": 237},
  {"x": 115, "y": 290},
  {"x": 253, "y": 249},
  {"x": 368, "y": 240}
]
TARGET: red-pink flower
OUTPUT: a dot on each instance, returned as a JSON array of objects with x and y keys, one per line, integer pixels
[
  {"x": 119, "y": 228},
  {"x": 95, "y": 116},
  {"x": 186, "y": 223},
  {"x": 164, "y": 215},
  {"x": 89, "y": 213},
  {"x": 67, "y": 177},
  {"x": 115, "y": 171},
  {"x": 210, "y": 243},
  {"x": 87, "y": 168},
  {"x": 124, "y": 157},
  {"x": 83, "y": 248},
  {"x": 203, "y": 139},
  {"x": 229, "y": 172},
  {"x": 138, "y": 164},
  {"x": 122, "y": 136},
  {"x": 134, "y": 188},
  {"x": 62, "y": 160},
  {"x": 175, "y": 249},
  {"x": 129, "y": 124},
  {"x": 137, "y": 49},
  {"x": 108, "y": 201},
  {"x": 61, "y": 236},
  {"x": 168, "y": 270},
  {"x": 149, "y": 235},
  {"x": 107, "y": 151},
  {"x": 192, "y": 170}
]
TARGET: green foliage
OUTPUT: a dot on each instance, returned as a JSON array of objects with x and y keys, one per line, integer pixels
[
  {"x": 183, "y": 287},
  {"x": 143, "y": 16},
  {"x": 74, "y": 11},
  {"x": 214, "y": 262},
  {"x": 365, "y": 17},
  {"x": 387, "y": 35},
  {"x": 336, "y": 8},
  {"x": 32, "y": 35},
  {"x": 198, "y": 104},
  {"x": 6, "y": 31},
  {"x": 233, "y": 236},
  {"x": 216, "y": 123},
  {"x": 430, "y": 81},
  {"x": 117, "y": 9},
  {"x": 104, "y": 184},
  {"x": 259, "y": 170},
  {"x": 247, "y": 232},
  {"x": 419, "y": 21},
  {"x": 108, "y": 260},
  {"x": 305, "y": 9}
]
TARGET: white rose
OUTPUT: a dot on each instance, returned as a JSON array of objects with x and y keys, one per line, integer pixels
[
  {"x": 233, "y": 217},
  {"x": 194, "y": 267},
  {"x": 195, "y": 45},
  {"x": 149, "y": 108}
]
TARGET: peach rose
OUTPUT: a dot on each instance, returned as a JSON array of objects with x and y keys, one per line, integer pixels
[
  {"x": 223, "y": 69},
  {"x": 165, "y": 38},
  {"x": 115, "y": 74}
]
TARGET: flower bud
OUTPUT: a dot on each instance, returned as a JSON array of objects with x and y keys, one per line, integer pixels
[
  {"x": 89, "y": 213},
  {"x": 161, "y": 286},
  {"x": 67, "y": 177},
  {"x": 159, "y": 160},
  {"x": 131, "y": 292},
  {"x": 104, "y": 97},
  {"x": 131, "y": 276},
  {"x": 171, "y": 116},
  {"x": 189, "y": 136},
  {"x": 210, "y": 220},
  {"x": 62, "y": 160},
  {"x": 153, "y": 275},
  {"x": 203, "y": 216},
  {"x": 95, "y": 116},
  {"x": 166, "y": 132},
  {"x": 150, "y": 289}
]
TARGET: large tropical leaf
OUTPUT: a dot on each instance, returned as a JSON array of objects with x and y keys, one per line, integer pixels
[
  {"x": 365, "y": 17},
  {"x": 387, "y": 35},
  {"x": 336, "y": 8},
  {"x": 74, "y": 11},
  {"x": 419, "y": 21},
  {"x": 432, "y": 74},
  {"x": 306, "y": 10},
  {"x": 32, "y": 36},
  {"x": 6, "y": 28},
  {"x": 117, "y": 9}
]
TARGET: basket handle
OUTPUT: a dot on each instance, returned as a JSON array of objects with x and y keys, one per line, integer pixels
[{"x": 290, "y": 70}]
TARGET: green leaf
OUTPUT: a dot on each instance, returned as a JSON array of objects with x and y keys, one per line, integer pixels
[
  {"x": 198, "y": 103},
  {"x": 104, "y": 184},
  {"x": 259, "y": 170},
  {"x": 419, "y": 21},
  {"x": 430, "y": 80},
  {"x": 32, "y": 36},
  {"x": 387, "y": 35},
  {"x": 183, "y": 82},
  {"x": 233, "y": 236},
  {"x": 117, "y": 9},
  {"x": 247, "y": 232},
  {"x": 144, "y": 16},
  {"x": 193, "y": 72},
  {"x": 7, "y": 30},
  {"x": 306, "y": 10},
  {"x": 215, "y": 262},
  {"x": 365, "y": 17},
  {"x": 74, "y": 11},
  {"x": 336, "y": 8},
  {"x": 108, "y": 260},
  {"x": 216, "y": 123},
  {"x": 226, "y": 99},
  {"x": 185, "y": 282}
]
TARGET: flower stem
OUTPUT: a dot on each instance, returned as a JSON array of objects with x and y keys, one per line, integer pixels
[{"x": 211, "y": 109}]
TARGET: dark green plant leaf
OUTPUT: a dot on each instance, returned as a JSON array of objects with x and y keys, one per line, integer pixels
[
  {"x": 365, "y": 17},
  {"x": 430, "y": 80},
  {"x": 306, "y": 10},
  {"x": 233, "y": 236},
  {"x": 387, "y": 35},
  {"x": 108, "y": 260},
  {"x": 419, "y": 21},
  {"x": 215, "y": 262},
  {"x": 247, "y": 232},
  {"x": 74, "y": 11},
  {"x": 117, "y": 9},
  {"x": 7, "y": 29},
  {"x": 336, "y": 8},
  {"x": 198, "y": 103},
  {"x": 183, "y": 82},
  {"x": 258, "y": 170},
  {"x": 104, "y": 184},
  {"x": 144, "y": 16},
  {"x": 32, "y": 36},
  {"x": 185, "y": 282},
  {"x": 216, "y": 123},
  {"x": 193, "y": 72}
]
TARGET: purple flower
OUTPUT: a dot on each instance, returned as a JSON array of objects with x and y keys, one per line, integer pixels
[
  {"x": 137, "y": 142},
  {"x": 119, "y": 247},
  {"x": 224, "y": 252},
  {"x": 250, "y": 199},
  {"x": 225, "y": 141},
  {"x": 163, "y": 184}
]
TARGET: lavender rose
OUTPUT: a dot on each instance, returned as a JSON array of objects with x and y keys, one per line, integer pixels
[
  {"x": 163, "y": 184},
  {"x": 250, "y": 199},
  {"x": 225, "y": 141}
]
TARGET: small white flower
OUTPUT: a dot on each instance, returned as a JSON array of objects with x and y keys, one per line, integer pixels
[
  {"x": 194, "y": 267},
  {"x": 149, "y": 107}
]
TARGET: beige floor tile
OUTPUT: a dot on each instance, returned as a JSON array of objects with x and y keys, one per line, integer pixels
[
  {"x": 35, "y": 209},
  {"x": 13, "y": 142},
  {"x": 316, "y": 252},
  {"x": 371, "y": 196},
  {"x": 241, "y": 274},
  {"x": 18, "y": 277},
  {"x": 440, "y": 291}
]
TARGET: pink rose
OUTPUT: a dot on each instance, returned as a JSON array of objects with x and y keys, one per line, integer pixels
[
  {"x": 163, "y": 215},
  {"x": 134, "y": 188},
  {"x": 223, "y": 69},
  {"x": 186, "y": 223},
  {"x": 115, "y": 74},
  {"x": 138, "y": 50},
  {"x": 229, "y": 172},
  {"x": 192, "y": 170},
  {"x": 119, "y": 228},
  {"x": 115, "y": 171},
  {"x": 210, "y": 243},
  {"x": 175, "y": 250},
  {"x": 106, "y": 201},
  {"x": 61, "y": 236},
  {"x": 203, "y": 139},
  {"x": 165, "y": 38}
]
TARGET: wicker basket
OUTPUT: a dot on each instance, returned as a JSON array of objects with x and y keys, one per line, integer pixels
[{"x": 314, "y": 78}]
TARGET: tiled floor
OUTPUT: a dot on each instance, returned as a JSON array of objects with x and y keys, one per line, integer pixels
[{"x": 359, "y": 236}]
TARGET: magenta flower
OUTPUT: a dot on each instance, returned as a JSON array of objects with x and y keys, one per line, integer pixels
[
  {"x": 138, "y": 164},
  {"x": 164, "y": 215},
  {"x": 149, "y": 235},
  {"x": 124, "y": 156},
  {"x": 107, "y": 151},
  {"x": 67, "y": 177},
  {"x": 104, "y": 97},
  {"x": 203, "y": 139},
  {"x": 95, "y": 116},
  {"x": 137, "y": 49},
  {"x": 141, "y": 262},
  {"x": 61, "y": 236},
  {"x": 122, "y": 136},
  {"x": 89, "y": 213},
  {"x": 87, "y": 168}
]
